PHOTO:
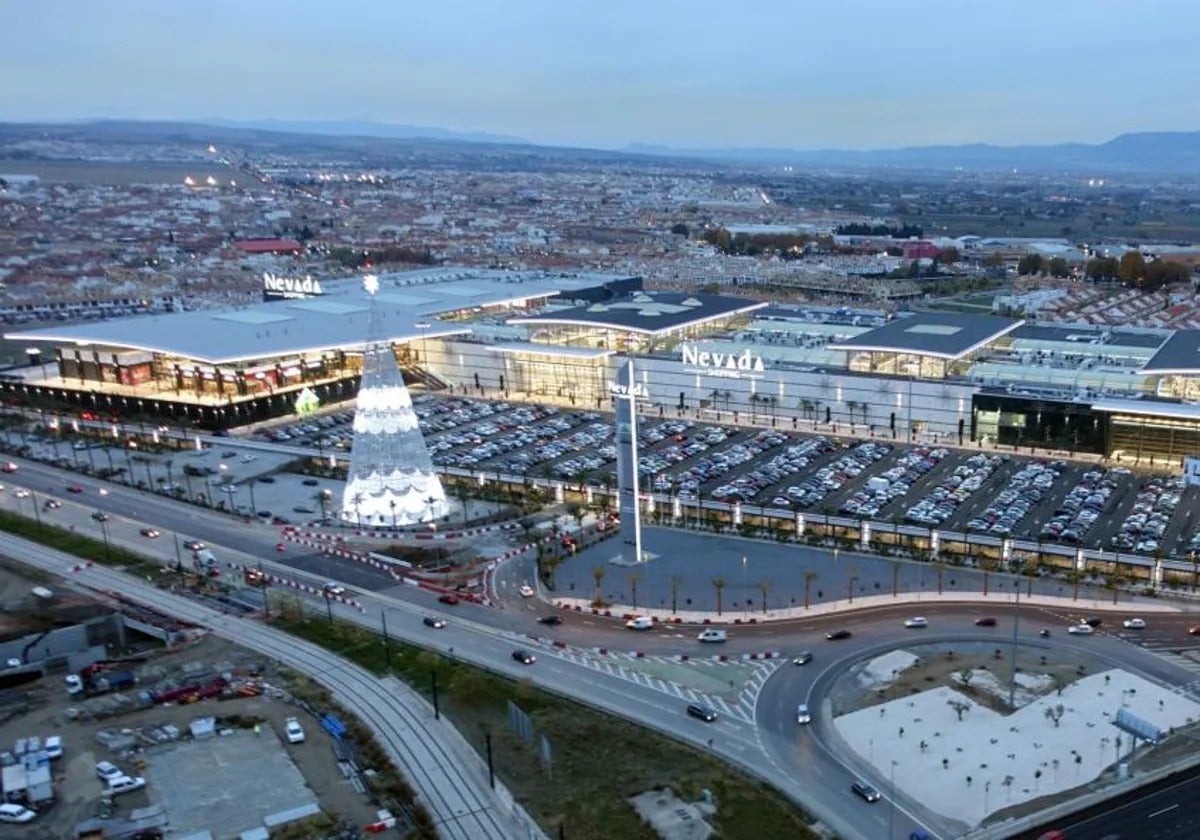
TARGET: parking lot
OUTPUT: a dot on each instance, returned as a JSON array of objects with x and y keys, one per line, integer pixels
[{"x": 983, "y": 491}]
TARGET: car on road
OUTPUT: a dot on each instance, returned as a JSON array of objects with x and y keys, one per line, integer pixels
[
  {"x": 10, "y": 812},
  {"x": 524, "y": 657},
  {"x": 986, "y": 621},
  {"x": 101, "y": 516},
  {"x": 435, "y": 622},
  {"x": 705, "y": 713},
  {"x": 295, "y": 732},
  {"x": 51, "y": 504},
  {"x": 448, "y": 598},
  {"x": 916, "y": 621},
  {"x": 866, "y": 791},
  {"x": 553, "y": 619},
  {"x": 712, "y": 635},
  {"x": 802, "y": 658},
  {"x": 193, "y": 545},
  {"x": 74, "y": 488},
  {"x": 9, "y": 467},
  {"x": 803, "y": 715},
  {"x": 1134, "y": 624},
  {"x": 1092, "y": 621},
  {"x": 1194, "y": 630},
  {"x": 640, "y": 622},
  {"x": 107, "y": 770},
  {"x": 149, "y": 532},
  {"x": 21, "y": 493},
  {"x": 1081, "y": 629},
  {"x": 334, "y": 589},
  {"x": 835, "y": 635},
  {"x": 526, "y": 591}
]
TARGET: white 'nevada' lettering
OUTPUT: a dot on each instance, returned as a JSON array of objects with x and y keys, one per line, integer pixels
[{"x": 732, "y": 362}]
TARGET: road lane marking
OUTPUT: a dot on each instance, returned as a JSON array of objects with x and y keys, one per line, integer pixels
[{"x": 1154, "y": 814}]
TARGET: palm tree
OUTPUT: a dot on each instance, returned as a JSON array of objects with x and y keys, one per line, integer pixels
[
  {"x": 764, "y": 586},
  {"x": 718, "y": 584},
  {"x": 634, "y": 577},
  {"x": 1030, "y": 569},
  {"x": 598, "y": 576},
  {"x": 988, "y": 565},
  {"x": 319, "y": 498},
  {"x": 549, "y": 564},
  {"x": 809, "y": 577},
  {"x": 1075, "y": 577},
  {"x": 895, "y": 578},
  {"x": 940, "y": 568},
  {"x": 392, "y": 505},
  {"x": 1114, "y": 579},
  {"x": 676, "y": 582}
]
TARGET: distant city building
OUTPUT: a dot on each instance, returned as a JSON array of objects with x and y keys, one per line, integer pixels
[{"x": 269, "y": 246}]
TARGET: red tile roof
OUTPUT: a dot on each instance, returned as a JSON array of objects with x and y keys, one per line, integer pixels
[{"x": 268, "y": 246}]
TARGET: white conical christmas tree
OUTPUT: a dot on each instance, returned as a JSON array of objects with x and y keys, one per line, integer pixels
[{"x": 391, "y": 482}]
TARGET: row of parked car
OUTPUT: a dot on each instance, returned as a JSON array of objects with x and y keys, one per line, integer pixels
[
  {"x": 1080, "y": 509},
  {"x": 893, "y": 483},
  {"x": 1026, "y": 488},
  {"x": 830, "y": 479},
  {"x": 943, "y": 501},
  {"x": 1147, "y": 521}
]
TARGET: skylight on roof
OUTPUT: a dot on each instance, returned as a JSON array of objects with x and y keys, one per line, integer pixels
[
  {"x": 252, "y": 316},
  {"x": 933, "y": 329},
  {"x": 643, "y": 299},
  {"x": 327, "y": 307},
  {"x": 691, "y": 302}
]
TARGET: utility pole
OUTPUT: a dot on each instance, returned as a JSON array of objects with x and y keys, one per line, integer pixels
[
  {"x": 487, "y": 737},
  {"x": 1012, "y": 683},
  {"x": 437, "y": 713},
  {"x": 387, "y": 648},
  {"x": 262, "y": 582}
]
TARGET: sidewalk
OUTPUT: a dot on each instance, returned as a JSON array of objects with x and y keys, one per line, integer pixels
[{"x": 867, "y": 602}]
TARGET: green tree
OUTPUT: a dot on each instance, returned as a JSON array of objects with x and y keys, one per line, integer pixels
[
  {"x": 987, "y": 565},
  {"x": 680, "y": 229},
  {"x": 1029, "y": 264},
  {"x": 994, "y": 260},
  {"x": 949, "y": 256},
  {"x": 598, "y": 573},
  {"x": 764, "y": 586},
  {"x": 1058, "y": 267},
  {"x": 1131, "y": 267}
]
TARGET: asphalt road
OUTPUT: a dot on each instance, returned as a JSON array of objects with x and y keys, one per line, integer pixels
[
  {"x": 803, "y": 764},
  {"x": 1167, "y": 813}
]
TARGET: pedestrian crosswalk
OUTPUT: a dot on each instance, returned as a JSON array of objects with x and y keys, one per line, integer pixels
[{"x": 621, "y": 666}]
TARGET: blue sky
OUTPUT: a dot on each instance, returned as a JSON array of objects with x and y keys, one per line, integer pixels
[{"x": 799, "y": 74}]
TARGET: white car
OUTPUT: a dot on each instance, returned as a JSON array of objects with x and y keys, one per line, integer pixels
[
  {"x": 526, "y": 591},
  {"x": 21, "y": 493},
  {"x": 12, "y": 813},
  {"x": 918, "y": 621},
  {"x": 641, "y": 622},
  {"x": 803, "y": 715},
  {"x": 108, "y": 771},
  {"x": 712, "y": 635},
  {"x": 53, "y": 748},
  {"x": 295, "y": 732},
  {"x": 125, "y": 784},
  {"x": 1081, "y": 629},
  {"x": 1134, "y": 624}
]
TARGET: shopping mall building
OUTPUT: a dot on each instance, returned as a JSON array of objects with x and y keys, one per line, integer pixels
[{"x": 556, "y": 336}]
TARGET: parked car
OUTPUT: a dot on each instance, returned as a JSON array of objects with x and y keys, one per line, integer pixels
[
  {"x": 435, "y": 622},
  {"x": 524, "y": 657},
  {"x": 74, "y": 488},
  {"x": 803, "y": 715},
  {"x": 705, "y": 713},
  {"x": 10, "y": 812},
  {"x": 9, "y": 467},
  {"x": 125, "y": 784},
  {"x": 106, "y": 770},
  {"x": 295, "y": 732},
  {"x": 1092, "y": 621},
  {"x": 53, "y": 748}
]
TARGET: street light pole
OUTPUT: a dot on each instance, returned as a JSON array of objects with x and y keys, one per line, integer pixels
[
  {"x": 1012, "y": 683},
  {"x": 104, "y": 532},
  {"x": 262, "y": 581},
  {"x": 892, "y": 810},
  {"x": 37, "y": 514}
]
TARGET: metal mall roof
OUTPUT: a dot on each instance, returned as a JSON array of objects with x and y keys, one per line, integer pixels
[
  {"x": 1179, "y": 354},
  {"x": 647, "y": 312},
  {"x": 407, "y": 304},
  {"x": 946, "y": 335}
]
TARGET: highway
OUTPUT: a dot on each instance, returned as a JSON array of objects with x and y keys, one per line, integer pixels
[
  {"x": 806, "y": 765},
  {"x": 1161, "y": 812}
]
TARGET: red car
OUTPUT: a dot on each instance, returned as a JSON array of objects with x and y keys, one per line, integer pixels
[
  {"x": 448, "y": 598},
  {"x": 10, "y": 467},
  {"x": 74, "y": 488}
]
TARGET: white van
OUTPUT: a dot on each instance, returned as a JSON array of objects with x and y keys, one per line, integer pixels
[
  {"x": 641, "y": 622},
  {"x": 712, "y": 635},
  {"x": 803, "y": 715},
  {"x": 124, "y": 784},
  {"x": 53, "y": 748}
]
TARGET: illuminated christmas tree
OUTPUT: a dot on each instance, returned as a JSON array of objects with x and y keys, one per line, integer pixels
[{"x": 391, "y": 482}]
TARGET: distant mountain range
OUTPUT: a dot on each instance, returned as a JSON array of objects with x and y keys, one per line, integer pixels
[
  {"x": 1163, "y": 151},
  {"x": 1169, "y": 152}
]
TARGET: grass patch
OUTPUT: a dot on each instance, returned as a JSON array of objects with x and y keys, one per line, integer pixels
[
  {"x": 83, "y": 547},
  {"x": 599, "y": 760}
]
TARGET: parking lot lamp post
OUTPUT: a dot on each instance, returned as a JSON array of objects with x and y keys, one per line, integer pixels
[
  {"x": 104, "y": 532},
  {"x": 744, "y": 588},
  {"x": 253, "y": 507},
  {"x": 208, "y": 490},
  {"x": 262, "y": 581},
  {"x": 129, "y": 462},
  {"x": 178, "y": 556},
  {"x": 1012, "y": 682},
  {"x": 37, "y": 514},
  {"x": 108, "y": 452},
  {"x": 892, "y": 810}
]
